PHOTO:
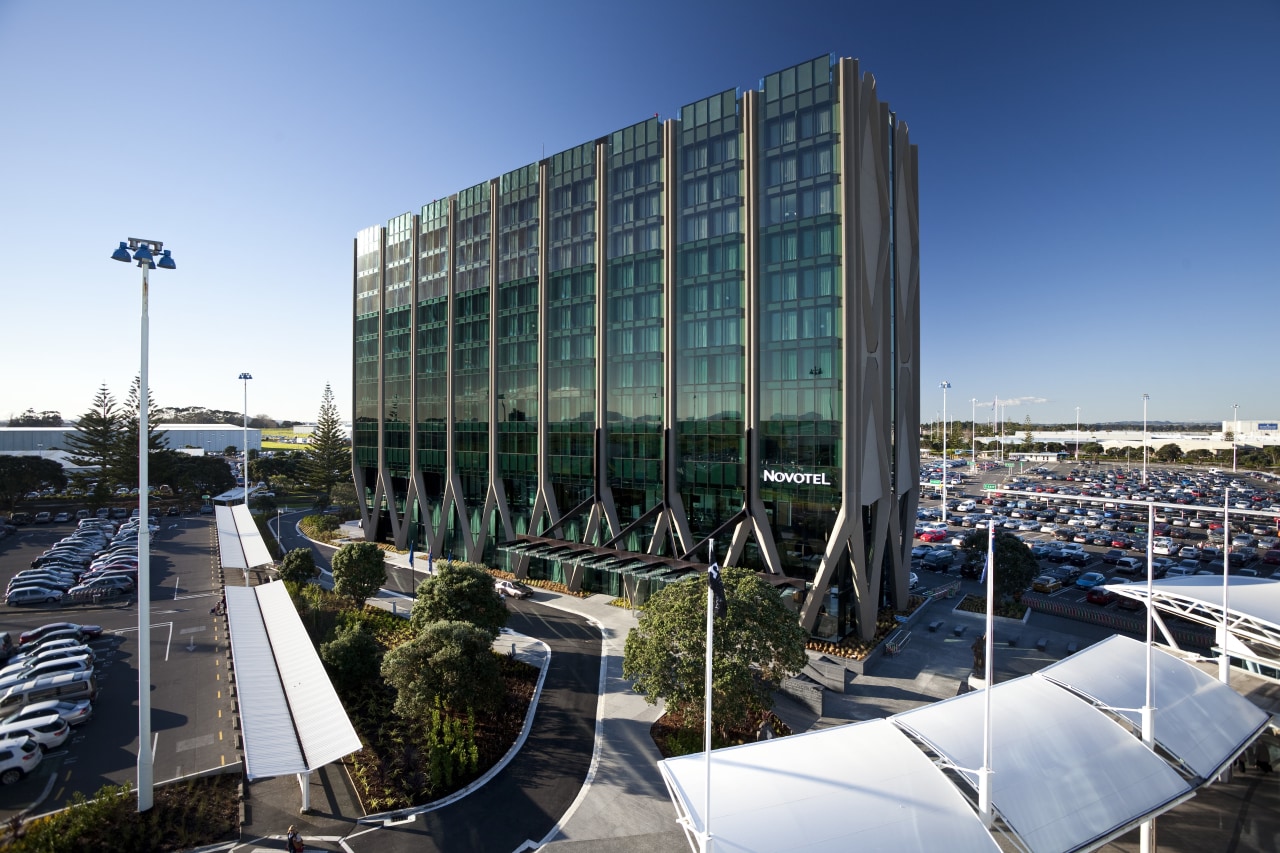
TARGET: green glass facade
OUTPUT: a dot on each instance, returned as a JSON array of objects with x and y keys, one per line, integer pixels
[{"x": 706, "y": 327}]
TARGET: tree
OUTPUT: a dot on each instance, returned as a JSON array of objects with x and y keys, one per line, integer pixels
[
  {"x": 329, "y": 455},
  {"x": 198, "y": 475},
  {"x": 1092, "y": 448},
  {"x": 32, "y": 418},
  {"x": 757, "y": 643},
  {"x": 96, "y": 440},
  {"x": 299, "y": 566},
  {"x": 359, "y": 571},
  {"x": 1169, "y": 453},
  {"x": 1016, "y": 566},
  {"x": 22, "y": 474},
  {"x": 353, "y": 656},
  {"x": 1028, "y": 437},
  {"x": 459, "y": 592},
  {"x": 125, "y": 466},
  {"x": 451, "y": 661}
]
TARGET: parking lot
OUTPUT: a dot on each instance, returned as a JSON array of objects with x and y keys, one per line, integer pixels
[
  {"x": 191, "y": 702},
  {"x": 1076, "y": 520}
]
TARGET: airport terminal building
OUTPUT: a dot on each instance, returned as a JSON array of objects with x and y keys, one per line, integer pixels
[{"x": 692, "y": 330}]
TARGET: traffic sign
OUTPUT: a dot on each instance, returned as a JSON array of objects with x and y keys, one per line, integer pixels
[
  {"x": 935, "y": 482},
  {"x": 989, "y": 487},
  {"x": 1008, "y": 464}
]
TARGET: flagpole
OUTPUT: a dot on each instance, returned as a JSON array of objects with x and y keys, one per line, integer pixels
[
  {"x": 706, "y": 725},
  {"x": 988, "y": 674}
]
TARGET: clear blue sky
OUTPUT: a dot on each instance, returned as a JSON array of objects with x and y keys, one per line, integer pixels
[{"x": 1099, "y": 181}]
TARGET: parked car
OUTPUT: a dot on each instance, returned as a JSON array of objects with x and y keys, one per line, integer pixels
[
  {"x": 73, "y": 713},
  {"x": 49, "y": 731},
  {"x": 1113, "y": 556},
  {"x": 33, "y": 595},
  {"x": 1100, "y": 595},
  {"x": 938, "y": 560},
  {"x": 89, "y": 631},
  {"x": 512, "y": 589},
  {"x": 1046, "y": 584},
  {"x": 1089, "y": 580},
  {"x": 18, "y": 757}
]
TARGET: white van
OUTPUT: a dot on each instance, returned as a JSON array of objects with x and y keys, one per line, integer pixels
[
  {"x": 66, "y": 686},
  {"x": 966, "y": 506}
]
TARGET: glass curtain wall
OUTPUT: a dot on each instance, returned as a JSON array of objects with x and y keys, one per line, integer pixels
[
  {"x": 800, "y": 278},
  {"x": 517, "y": 321},
  {"x": 711, "y": 356},
  {"x": 397, "y": 355},
  {"x": 364, "y": 439},
  {"x": 471, "y": 352},
  {"x": 634, "y": 312},
  {"x": 571, "y": 329},
  {"x": 432, "y": 361}
]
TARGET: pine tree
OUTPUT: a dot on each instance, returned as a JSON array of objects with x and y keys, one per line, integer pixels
[
  {"x": 125, "y": 465},
  {"x": 329, "y": 454},
  {"x": 97, "y": 438},
  {"x": 1028, "y": 437}
]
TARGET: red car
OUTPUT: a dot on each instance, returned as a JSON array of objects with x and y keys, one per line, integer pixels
[
  {"x": 1272, "y": 557},
  {"x": 932, "y": 536},
  {"x": 1099, "y": 595}
]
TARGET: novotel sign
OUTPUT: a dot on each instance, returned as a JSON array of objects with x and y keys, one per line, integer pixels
[{"x": 794, "y": 477}]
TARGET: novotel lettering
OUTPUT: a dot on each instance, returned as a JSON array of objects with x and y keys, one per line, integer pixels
[{"x": 791, "y": 477}]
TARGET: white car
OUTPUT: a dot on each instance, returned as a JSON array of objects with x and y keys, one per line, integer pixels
[
  {"x": 49, "y": 731},
  {"x": 72, "y": 713},
  {"x": 18, "y": 757}
]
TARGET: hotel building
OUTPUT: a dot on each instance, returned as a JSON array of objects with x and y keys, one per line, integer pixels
[{"x": 697, "y": 330}]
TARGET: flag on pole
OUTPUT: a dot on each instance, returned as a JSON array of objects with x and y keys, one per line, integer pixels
[
  {"x": 986, "y": 563},
  {"x": 431, "y": 569},
  {"x": 716, "y": 585},
  {"x": 411, "y": 553}
]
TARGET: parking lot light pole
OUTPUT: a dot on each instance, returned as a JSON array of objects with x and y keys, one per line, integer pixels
[
  {"x": 1145, "y": 398},
  {"x": 973, "y": 435},
  {"x": 246, "y": 377},
  {"x": 1235, "y": 434},
  {"x": 944, "y": 385},
  {"x": 1077, "y": 435},
  {"x": 143, "y": 251}
]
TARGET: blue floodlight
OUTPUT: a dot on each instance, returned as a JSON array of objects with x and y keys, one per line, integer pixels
[
  {"x": 121, "y": 254},
  {"x": 166, "y": 261},
  {"x": 143, "y": 257}
]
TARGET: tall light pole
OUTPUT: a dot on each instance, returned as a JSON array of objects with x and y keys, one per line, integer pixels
[
  {"x": 973, "y": 434},
  {"x": 1145, "y": 398},
  {"x": 944, "y": 385},
  {"x": 1235, "y": 434},
  {"x": 1077, "y": 435},
  {"x": 246, "y": 377},
  {"x": 144, "y": 253}
]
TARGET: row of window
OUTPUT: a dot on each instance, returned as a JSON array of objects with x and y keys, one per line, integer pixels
[
  {"x": 707, "y": 332},
  {"x": 804, "y": 124},
  {"x": 801, "y": 244},
  {"x": 799, "y": 324},
  {"x": 711, "y": 223},
  {"x": 801, "y": 165},
  {"x": 708, "y": 188}
]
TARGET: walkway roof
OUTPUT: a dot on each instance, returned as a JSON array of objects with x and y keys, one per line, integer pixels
[
  {"x": 858, "y": 786},
  {"x": 1254, "y": 605},
  {"x": 290, "y": 716},
  {"x": 240, "y": 544}
]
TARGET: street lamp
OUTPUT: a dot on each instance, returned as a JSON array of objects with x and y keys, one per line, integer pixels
[
  {"x": 1145, "y": 398},
  {"x": 1235, "y": 434},
  {"x": 246, "y": 377},
  {"x": 1077, "y": 434},
  {"x": 973, "y": 434},
  {"x": 144, "y": 251},
  {"x": 944, "y": 385}
]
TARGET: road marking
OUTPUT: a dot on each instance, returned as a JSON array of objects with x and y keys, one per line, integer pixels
[
  {"x": 194, "y": 630},
  {"x": 194, "y": 743},
  {"x": 175, "y": 587}
]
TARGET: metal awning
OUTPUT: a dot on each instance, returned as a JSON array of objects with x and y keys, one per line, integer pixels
[
  {"x": 290, "y": 716},
  {"x": 240, "y": 544},
  {"x": 877, "y": 785},
  {"x": 1253, "y": 605},
  {"x": 239, "y": 493}
]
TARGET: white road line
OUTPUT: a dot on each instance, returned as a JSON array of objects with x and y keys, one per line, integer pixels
[{"x": 175, "y": 587}]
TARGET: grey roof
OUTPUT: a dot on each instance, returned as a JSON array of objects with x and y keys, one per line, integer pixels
[
  {"x": 1069, "y": 769},
  {"x": 1198, "y": 720},
  {"x": 240, "y": 544},
  {"x": 798, "y": 794},
  {"x": 291, "y": 718}
]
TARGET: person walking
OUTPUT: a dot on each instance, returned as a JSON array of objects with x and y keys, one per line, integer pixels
[{"x": 293, "y": 841}]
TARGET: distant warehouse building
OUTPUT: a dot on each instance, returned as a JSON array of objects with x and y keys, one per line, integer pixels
[
  {"x": 51, "y": 441},
  {"x": 701, "y": 328}
]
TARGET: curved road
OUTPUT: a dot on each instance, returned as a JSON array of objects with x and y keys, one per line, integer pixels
[{"x": 526, "y": 799}]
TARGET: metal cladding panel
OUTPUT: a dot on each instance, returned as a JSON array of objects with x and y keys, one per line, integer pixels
[
  {"x": 230, "y": 552},
  {"x": 1198, "y": 719},
  {"x": 857, "y": 787},
  {"x": 271, "y": 745},
  {"x": 322, "y": 725},
  {"x": 1056, "y": 794},
  {"x": 255, "y": 550}
]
